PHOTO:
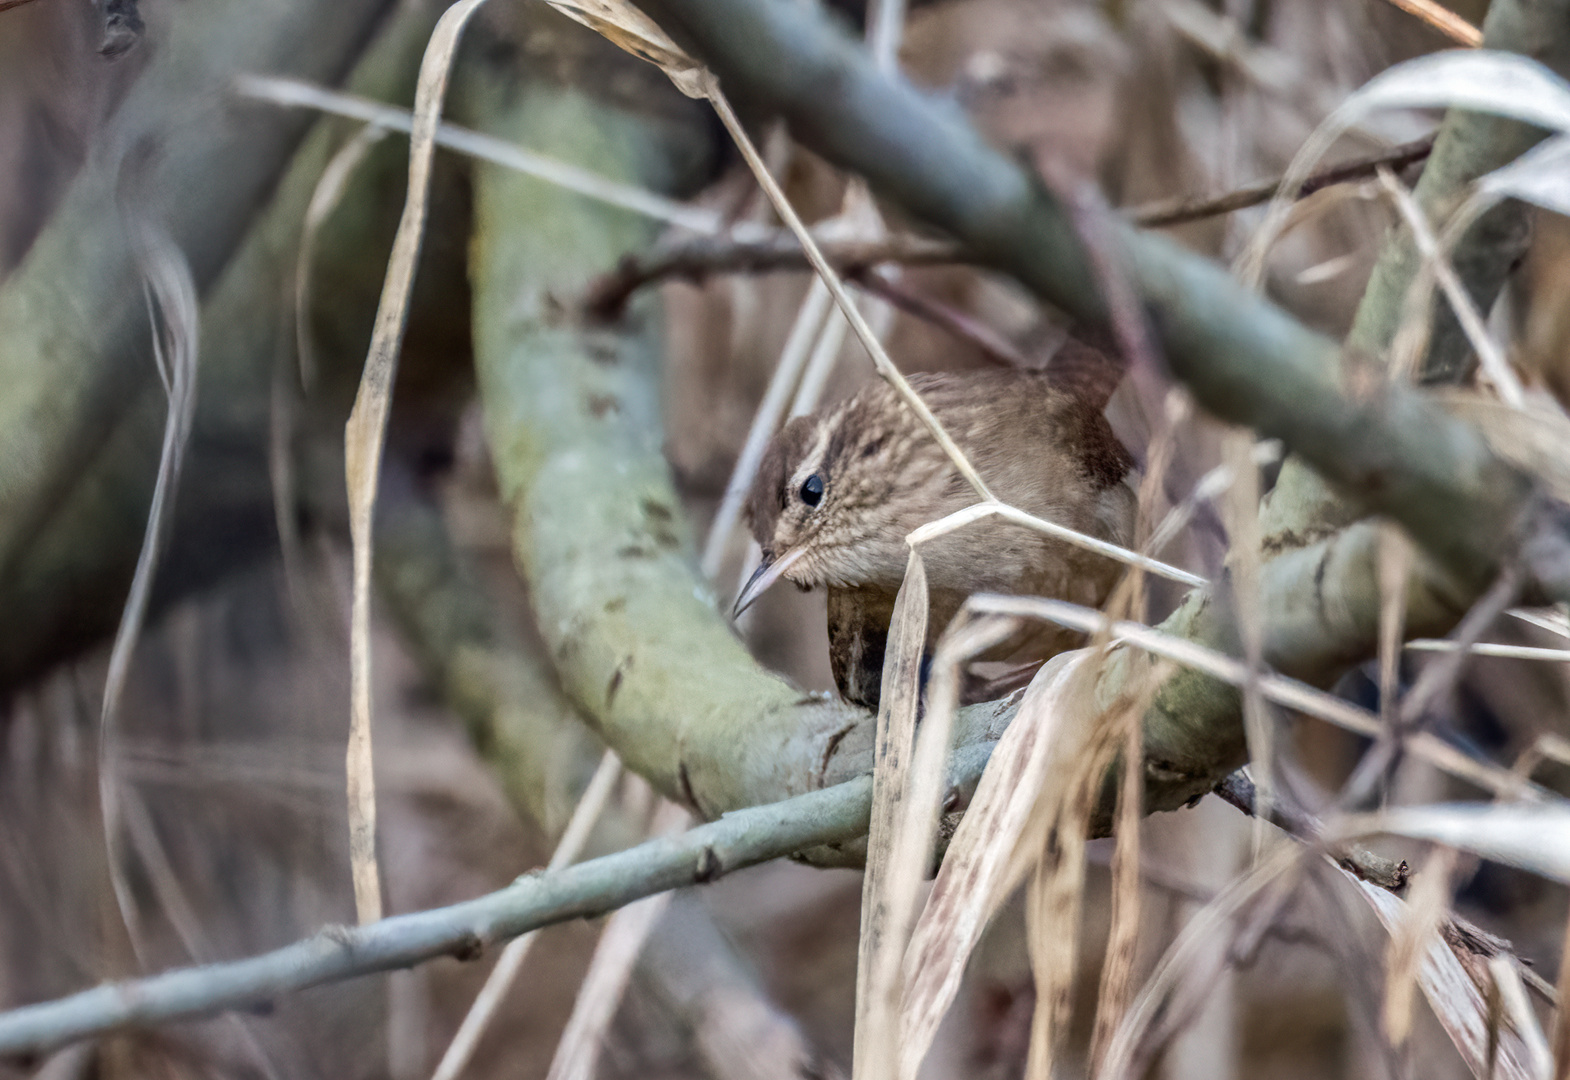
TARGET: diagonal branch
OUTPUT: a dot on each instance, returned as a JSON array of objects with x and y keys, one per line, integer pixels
[{"x": 1246, "y": 360}]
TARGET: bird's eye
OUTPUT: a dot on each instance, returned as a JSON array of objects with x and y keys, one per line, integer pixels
[{"x": 812, "y": 490}]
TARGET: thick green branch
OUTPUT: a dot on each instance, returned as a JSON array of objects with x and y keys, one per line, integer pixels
[
  {"x": 71, "y": 579},
  {"x": 1246, "y": 360},
  {"x": 73, "y": 316}
]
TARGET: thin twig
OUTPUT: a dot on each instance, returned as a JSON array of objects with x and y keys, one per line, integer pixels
[
  {"x": 695, "y": 259},
  {"x": 739, "y": 839},
  {"x": 993, "y": 345},
  {"x": 858, "y": 323}
]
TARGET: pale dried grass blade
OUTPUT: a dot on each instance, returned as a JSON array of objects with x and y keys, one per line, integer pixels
[
  {"x": 1277, "y": 688},
  {"x": 606, "y": 981},
  {"x": 1428, "y": 903},
  {"x": 174, "y": 312},
  {"x": 1442, "y": 19},
  {"x": 1562, "y": 1020},
  {"x": 1487, "y": 81},
  {"x": 1117, "y": 972},
  {"x": 1540, "y": 176},
  {"x": 365, "y": 434},
  {"x": 1551, "y": 619},
  {"x": 1056, "y": 892},
  {"x": 1506, "y": 974},
  {"x": 990, "y": 852},
  {"x": 916, "y": 824},
  {"x": 994, "y": 508},
  {"x": 887, "y": 907},
  {"x": 1437, "y": 265},
  {"x": 573, "y": 838},
  {"x": 461, "y": 140},
  {"x": 1534, "y": 837},
  {"x": 1490, "y": 648},
  {"x": 1453, "y": 995},
  {"x": 1197, "y": 955}
]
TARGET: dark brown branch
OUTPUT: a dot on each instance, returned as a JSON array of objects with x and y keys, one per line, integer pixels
[
  {"x": 993, "y": 345},
  {"x": 696, "y": 259},
  {"x": 1181, "y": 211}
]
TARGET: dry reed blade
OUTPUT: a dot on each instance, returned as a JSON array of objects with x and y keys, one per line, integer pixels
[
  {"x": 1056, "y": 892},
  {"x": 609, "y": 971},
  {"x": 1442, "y": 19},
  {"x": 573, "y": 838},
  {"x": 994, "y": 508},
  {"x": 1454, "y": 997},
  {"x": 887, "y": 907},
  {"x": 1506, "y": 974},
  {"x": 988, "y": 854},
  {"x": 461, "y": 140},
  {"x": 1196, "y": 956},
  {"x": 365, "y": 435},
  {"x": 916, "y": 827},
  {"x": 1277, "y": 688},
  {"x": 1437, "y": 264},
  {"x": 174, "y": 314},
  {"x": 1428, "y": 903}
]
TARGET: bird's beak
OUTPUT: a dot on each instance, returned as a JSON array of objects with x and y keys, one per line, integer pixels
[{"x": 768, "y": 572}]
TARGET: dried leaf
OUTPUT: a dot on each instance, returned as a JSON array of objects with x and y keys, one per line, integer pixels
[
  {"x": 1541, "y": 176},
  {"x": 365, "y": 434},
  {"x": 887, "y": 903},
  {"x": 1453, "y": 995},
  {"x": 991, "y": 852},
  {"x": 628, "y": 28}
]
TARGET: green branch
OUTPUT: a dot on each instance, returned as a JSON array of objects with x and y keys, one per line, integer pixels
[{"x": 591, "y": 888}]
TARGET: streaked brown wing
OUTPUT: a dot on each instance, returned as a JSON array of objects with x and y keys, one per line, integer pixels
[{"x": 858, "y": 634}]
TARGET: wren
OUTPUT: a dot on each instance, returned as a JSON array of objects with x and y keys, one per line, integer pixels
[{"x": 838, "y": 491}]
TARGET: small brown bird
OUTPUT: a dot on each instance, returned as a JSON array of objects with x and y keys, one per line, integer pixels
[{"x": 837, "y": 493}]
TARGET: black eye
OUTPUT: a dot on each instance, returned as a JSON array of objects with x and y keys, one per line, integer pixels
[{"x": 812, "y": 490}]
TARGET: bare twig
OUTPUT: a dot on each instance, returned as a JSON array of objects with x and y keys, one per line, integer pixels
[
  {"x": 743, "y": 838},
  {"x": 695, "y": 259},
  {"x": 993, "y": 345}
]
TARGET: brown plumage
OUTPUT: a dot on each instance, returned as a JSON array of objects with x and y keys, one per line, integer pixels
[{"x": 837, "y": 493}]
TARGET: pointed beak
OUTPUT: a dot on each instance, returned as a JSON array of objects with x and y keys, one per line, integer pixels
[{"x": 768, "y": 572}]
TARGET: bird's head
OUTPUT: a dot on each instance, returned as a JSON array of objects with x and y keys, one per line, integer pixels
[{"x": 825, "y": 505}]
